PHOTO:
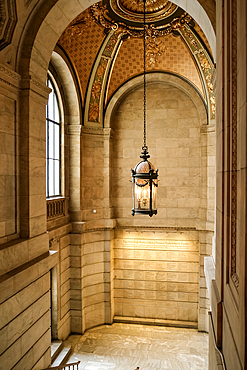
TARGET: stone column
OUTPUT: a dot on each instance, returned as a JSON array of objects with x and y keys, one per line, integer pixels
[
  {"x": 32, "y": 117},
  {"x": 75, "y": 172},
  {"x": 76, "y": 237}
]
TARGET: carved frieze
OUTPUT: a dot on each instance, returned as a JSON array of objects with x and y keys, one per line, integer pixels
[{"x": 8, "y": 20}]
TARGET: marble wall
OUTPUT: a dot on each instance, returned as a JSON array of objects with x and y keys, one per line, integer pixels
[
  {"x": 157, "y": 275},
  {"x": 174, "y": 140}
]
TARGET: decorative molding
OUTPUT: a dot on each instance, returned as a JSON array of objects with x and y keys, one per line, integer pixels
[
  {"x": 93, "y": 111},
  {"x": 8, "y": 20},
  {"x": 154, "y": 47},
  {"x": 132, "y": 11},
  {"x": 204, "y": 62},
  {"x": 234, "y": 135},
  {"x": 206, "y": 129},
  {"x": 74, "y": 129},
  {"x": 36, "y": 86},
  {"x": 92, "y": 130},
  {"x": 8, "y": 83},
  {"x": 97, "y": 85},
  {"x": 40, "y": 85},
  {"x": 108, "y": 132},
  {"x": 10, "y": 73},
  {"x": 101, "y": 16},
  {"x": 213, "y": 79}
]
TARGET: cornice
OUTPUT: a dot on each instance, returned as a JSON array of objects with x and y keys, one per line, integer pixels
[
  {"x": 35, "y": 85},
  {"x": 9, "y": 77}
]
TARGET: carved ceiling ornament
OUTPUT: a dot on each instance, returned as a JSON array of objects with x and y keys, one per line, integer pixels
[
  {"x": 177, "y": 22},
  {"x": 204, "y": 61},
  {"x": 93, "y": 112},
  {"x": 130, "y": 10},
  {"x": 154, "y": 46},
  {"x": 8, "y": 20},
  {"x": 154, "y": 49},
  {"x": 77, "y": 26},
  {"x": 101, "y": 16}
]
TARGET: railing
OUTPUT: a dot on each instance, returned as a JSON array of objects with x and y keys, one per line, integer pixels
[
  {"x": 55, "y": 208},
  {"x": 71, "y": 366}
]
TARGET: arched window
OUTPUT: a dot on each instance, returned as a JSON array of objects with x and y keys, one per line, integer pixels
[{"x": 53, "y": 142}]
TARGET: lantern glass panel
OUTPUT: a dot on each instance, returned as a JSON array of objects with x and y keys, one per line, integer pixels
[
  {"x": 142, "y": 197},
  {"x": 154, "y": 196}
]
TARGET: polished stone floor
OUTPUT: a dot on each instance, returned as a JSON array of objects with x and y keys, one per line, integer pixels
[{"x": 125, "y": 347}]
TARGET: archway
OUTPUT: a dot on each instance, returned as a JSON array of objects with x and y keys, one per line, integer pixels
[
  {"x": 174, "y": 141},
  {"x": 35, "y": 52}
]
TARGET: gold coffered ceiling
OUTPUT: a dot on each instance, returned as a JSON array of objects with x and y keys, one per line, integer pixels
[{"x": 108, "y": 38}]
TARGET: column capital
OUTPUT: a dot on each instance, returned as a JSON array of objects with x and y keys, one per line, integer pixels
[{"x": 74, "y": 129}]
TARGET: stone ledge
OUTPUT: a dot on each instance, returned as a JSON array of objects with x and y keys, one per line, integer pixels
[{"x": 155, "y": 322}]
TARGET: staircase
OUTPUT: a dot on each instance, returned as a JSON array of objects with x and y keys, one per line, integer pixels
[{"x": 60, "y": 354}]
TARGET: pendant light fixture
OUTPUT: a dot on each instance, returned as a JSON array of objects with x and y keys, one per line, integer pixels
[{"x": 144, "y": 175}]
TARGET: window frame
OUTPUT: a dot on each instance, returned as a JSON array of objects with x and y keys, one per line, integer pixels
[{"x": 51, "y": 193}]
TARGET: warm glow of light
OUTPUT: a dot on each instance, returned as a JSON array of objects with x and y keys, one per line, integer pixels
[{"x": 142, "y": 197}]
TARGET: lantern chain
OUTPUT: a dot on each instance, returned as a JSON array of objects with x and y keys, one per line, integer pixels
[{"x": 144, "y": 74}]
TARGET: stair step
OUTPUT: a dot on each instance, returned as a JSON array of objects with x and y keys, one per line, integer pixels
[
  {"x": 63, "y": 356},
  {"x": 56, "y": 347}
]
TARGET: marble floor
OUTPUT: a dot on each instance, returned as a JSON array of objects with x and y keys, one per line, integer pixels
[{"x": 126, "y": 347}]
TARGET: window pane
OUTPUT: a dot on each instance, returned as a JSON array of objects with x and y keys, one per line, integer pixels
[
  {"x": 47, "y": 141},
  {"x": 57, "y": 142},
  {"x": 47, "y": 185},
  {"x": 51, "y": 181},
  {"x": 50, "y": 104},
  {"x": 57, "y": 177},
  {"x": 51, "y": 140},
  {"x": 56, "y": 110}
]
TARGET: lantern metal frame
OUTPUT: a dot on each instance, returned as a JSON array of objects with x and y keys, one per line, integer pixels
[
  {"x": 150, "y": 176},
  {"x": 147, "y": 178}
]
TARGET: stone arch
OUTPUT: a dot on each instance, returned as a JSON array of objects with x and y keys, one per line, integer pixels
[
  {"x": 48, "y": 22},
  {"x": 73, "y": 122},
  {"x": 69, "y": 85},
  {"x": 172, "y": 79},
  {"x": 181, "y": 138}
]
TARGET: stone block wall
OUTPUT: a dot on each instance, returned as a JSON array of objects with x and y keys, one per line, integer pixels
[
  {"x": 25, "y": 332},
  {"x": 175, "y": 146},
  {"x": 59, "y": 240},
  {"x": 182, "y": 147},
  {"x": 8, "y": 166},
  {"x": 96, "y": 278},
  {"x": 156, "y": 275}
]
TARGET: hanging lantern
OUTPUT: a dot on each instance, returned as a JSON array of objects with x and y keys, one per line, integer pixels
[
  {"x": 145, "y": 183},
  {"x": 144, "y": 176}
]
